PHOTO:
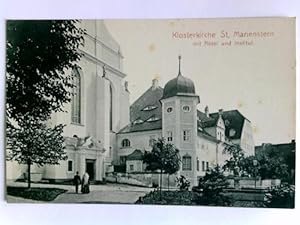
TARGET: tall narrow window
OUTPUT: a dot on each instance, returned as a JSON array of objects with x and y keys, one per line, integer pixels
[
  {"x": 203, "y": 166},
  {"x": 125, "y": 143},
  {"x": 198, "y": 166},
  {"x": 207, "y": 165},
  {"x": 186, "y": 135},
  {"x": 110, "y": 108},
  {"x": 70, "y": 166},
  {"x": 76, "y": 101},
  {"x": 169, "y": 136},
  {"x": 186, "y": 162}
]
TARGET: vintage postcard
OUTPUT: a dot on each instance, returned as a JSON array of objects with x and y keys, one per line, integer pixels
[{"x": 168, "y": 112}]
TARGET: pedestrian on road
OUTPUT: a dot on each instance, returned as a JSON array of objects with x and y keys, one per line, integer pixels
[
  {"x": 76, "y": 181},
  {"x": 85, "y": 184}
]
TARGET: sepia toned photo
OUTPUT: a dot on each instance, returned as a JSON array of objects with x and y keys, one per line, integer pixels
[{"x": 197, "y": 112}]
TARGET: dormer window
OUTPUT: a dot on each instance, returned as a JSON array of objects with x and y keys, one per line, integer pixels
[
  {"x": 232, "y": 132},
  {"x": 138, "y": 121},
  {"x": 149, "y": 108},
  {"x": 153, "y": 119}
]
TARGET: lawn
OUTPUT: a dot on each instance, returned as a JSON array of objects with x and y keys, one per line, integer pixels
[{"x": 39, "y": 194}]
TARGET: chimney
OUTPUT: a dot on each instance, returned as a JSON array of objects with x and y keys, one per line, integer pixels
[
  {"x": 206, "y": 110},
  {"x": 126, "y": 86},
  {"x": 220, "y": 112},
  {"x": 154, "y": 83}
]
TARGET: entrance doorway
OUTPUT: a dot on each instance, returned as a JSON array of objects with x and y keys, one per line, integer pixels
[{"x": 90, "y": 168}]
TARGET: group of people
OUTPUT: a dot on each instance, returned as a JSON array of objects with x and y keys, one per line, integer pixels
[{"x": 85, "y": 183}]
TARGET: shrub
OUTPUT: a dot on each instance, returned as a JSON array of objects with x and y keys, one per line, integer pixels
[
  {"x": 169, "y": 198},
  {"x": 183, "y": 183},
  {"x": 281, "y": 197},
  {"x": 212, "y": 185}
]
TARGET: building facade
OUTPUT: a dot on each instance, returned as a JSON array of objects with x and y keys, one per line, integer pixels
[
  {"x": 99, "y": 108},
  {"x": 103, "y": 131},
  {"x": 171, "y": 113}
]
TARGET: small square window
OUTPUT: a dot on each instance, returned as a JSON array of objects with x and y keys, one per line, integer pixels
[{"x": 131, "y": 167}]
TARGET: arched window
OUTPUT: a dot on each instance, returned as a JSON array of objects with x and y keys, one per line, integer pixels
[
  {"x": 76, "y": 101},
  {"x": 186, "y": 162},
  {"x": 125, "y": 143},
  {"x": 110, "y": 108}
]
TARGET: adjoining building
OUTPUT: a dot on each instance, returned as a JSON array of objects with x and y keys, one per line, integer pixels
[{"x": 171, "y": 112}]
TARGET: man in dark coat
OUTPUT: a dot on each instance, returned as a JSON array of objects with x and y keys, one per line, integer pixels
[{"x": 76, "y": 181}]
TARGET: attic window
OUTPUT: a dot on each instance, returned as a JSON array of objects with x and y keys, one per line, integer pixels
[
  {"x": 149, "y": 107},
  {"x": 227, "y": 122},
  {"x": 138, "y": 121},
  {"x": 232, "y": 132},
  {"x": 152, "y": 119}
]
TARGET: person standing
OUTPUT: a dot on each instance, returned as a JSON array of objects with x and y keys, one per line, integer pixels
[
  {"x": 85, "y": 185},
  {"x": 76, "y": 181}
]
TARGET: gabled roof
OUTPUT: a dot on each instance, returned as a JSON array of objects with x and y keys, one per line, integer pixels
[
  {"x": 137, "y": 111},
  {"x": 205, "y": 121},
  {"x": 136, "y": 155},
  {"x": 233, "y": 120}
]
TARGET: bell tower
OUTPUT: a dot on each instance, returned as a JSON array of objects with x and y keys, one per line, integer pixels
[{"x": 179, "y": 121}]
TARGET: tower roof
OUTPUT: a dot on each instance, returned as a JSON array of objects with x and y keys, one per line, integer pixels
[{"x": 179, "y": 86}]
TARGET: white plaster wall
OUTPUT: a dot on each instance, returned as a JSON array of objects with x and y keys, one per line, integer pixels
[
  {"x": 14, "y": 170},
  {"x": 247, "y": 141},
  {"x": 137, "y": 166},
  {"x": 207, "y": 152},
  {"x": 138, "y": 140}
]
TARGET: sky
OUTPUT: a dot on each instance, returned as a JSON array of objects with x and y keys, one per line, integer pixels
[{"x": 255, "y": 74}]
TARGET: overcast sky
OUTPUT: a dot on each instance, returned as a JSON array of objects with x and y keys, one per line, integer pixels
[{"x": 257, "y": 79}]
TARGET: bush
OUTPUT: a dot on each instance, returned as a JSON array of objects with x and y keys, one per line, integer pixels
[
  {"x": 183, "y": 183},
  {"x": 169, "y": 198},
  {"x": 281, "y": 197},
  {"x": 211, "y": 186}
]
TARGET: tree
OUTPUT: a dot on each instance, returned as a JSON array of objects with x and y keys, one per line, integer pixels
[
  {"x": 273, "y": 167},
  {"x": 234, "y": 163},
  {"x": 34, "y": 142},
  {"x": 269, "y": 164},
  {"x": 163, "y": 157},
  {"x": 40, "y": 55}
]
